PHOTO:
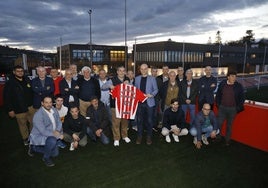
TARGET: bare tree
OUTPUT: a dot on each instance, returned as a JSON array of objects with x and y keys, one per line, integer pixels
[{"x": 218, "y": 37}]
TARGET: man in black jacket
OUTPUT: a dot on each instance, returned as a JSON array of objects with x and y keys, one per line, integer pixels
[
  {"x": 88, "y": 87},
  {"x": 98, "y": 121},
  {"x": 230, "y": 100},
  {"x": 18, "y": 98},
  {"x": 188, "y": 93},
  {"x": 74, "y": 128}
]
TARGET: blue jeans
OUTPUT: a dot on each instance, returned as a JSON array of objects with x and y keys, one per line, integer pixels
[
  {"x": 206, "y": 130},
  {"x": 145, "y": 115},
  {"x": 104, "y": 139},
  {"x": 191, "y": 108},
  {"x": 50, "y": 149}
]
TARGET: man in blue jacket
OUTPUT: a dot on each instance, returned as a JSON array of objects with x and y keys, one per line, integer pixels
[
  {"x": 47, "y": 129},
  {"x": 42, "y": 86},
  {"x": 147, "y": 84},
  {"x": 204, "y": 126}
]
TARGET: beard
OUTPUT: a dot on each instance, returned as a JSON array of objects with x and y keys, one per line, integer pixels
[{"x": 19, "y": 77}]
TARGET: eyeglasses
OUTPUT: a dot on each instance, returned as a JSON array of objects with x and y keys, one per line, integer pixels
[{"x": 206, "y": 109}]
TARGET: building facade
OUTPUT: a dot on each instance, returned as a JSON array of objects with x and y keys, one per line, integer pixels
[
  {"x": 189, "y": 55},
  {"x": 105, "y": 57}
]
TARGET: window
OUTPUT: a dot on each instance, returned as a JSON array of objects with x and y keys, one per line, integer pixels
[
  {"x": 207, "y": 54},
  {"x": 117, "y": 55}
]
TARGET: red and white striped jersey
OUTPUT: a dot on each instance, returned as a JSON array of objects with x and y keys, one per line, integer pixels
[{"x": 127, "y": 98}]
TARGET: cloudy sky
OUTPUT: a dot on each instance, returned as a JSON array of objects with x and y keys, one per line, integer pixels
[{"x": 39, "y": 24}]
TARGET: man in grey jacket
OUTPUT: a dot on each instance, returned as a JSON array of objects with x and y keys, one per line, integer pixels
[{"x": 47, "y": 129}]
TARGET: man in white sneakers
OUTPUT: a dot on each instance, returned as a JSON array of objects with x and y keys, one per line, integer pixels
[
  {"x": 74, "y": 128},
  {"x": 174, "y": 122},
  {"x": 204, "y": 126}
]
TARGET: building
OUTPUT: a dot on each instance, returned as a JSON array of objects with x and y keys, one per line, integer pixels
[
  {"x": 105, "y": 57},
  {"x": 29, "y": 59},
  {"x": 189, "y": 55}
]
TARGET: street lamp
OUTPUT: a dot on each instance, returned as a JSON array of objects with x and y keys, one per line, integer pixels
[{"x": 90, "y": 37}]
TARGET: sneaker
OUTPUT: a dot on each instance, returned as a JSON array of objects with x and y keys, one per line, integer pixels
[
  {"x": 168, "y": 139},
  {"x": 135, "y": 128},
  {"x": 149, "y": 141},
  {"x": 48, "y": 162},
  {"x": 26, "y": 142},
  {"x": 30, "y": 151},
  {"x": 205, "y": 140},
  {"x": 176, "y": 138},
  {"x": 195, "y": 140},
  {"x": 127, "y": 140},
  {"x": 61, "y": 144},
  {"x": 139, "y": 139},
  {"x": 116, "y": 143},
  {"x": 71, "y": 147}
]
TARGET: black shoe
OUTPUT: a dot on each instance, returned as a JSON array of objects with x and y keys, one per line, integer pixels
[
  {"x": 30, "y": 151},
  {"x": 48, "y": 162},
  {"x": 227, "y": 143},
  {"x": 149, "y": 141},
  {"x": 139, "y": 139}
]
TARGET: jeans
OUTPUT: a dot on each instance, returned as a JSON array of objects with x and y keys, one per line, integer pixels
[
  {"x": 145, "y": 115},
  {"x": 206, "y": 130},
  {"x": 228, "y": 114},
  {"x": 50, "y": 149},
  {"x": 191, "y": 108},
  {"x": 104, "y": 139}
]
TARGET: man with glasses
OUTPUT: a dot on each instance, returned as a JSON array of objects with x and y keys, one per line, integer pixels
[{"x": 204, "y": 126}]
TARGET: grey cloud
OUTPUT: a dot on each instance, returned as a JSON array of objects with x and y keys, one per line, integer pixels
[{"x": 40, "y": 24}]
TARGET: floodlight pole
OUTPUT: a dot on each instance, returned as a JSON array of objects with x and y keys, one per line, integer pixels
[{"x": 90, "y": 38}]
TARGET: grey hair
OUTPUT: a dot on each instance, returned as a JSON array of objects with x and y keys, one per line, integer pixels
[{"x": 84, "y": 69}]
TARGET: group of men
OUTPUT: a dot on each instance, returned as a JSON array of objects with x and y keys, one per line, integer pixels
[{"x": 52, "y": 109}]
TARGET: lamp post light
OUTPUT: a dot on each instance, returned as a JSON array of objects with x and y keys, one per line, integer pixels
[{"x": 90, "y": 38}]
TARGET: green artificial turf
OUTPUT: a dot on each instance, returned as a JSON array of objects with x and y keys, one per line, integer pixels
[{"x": 130, "y": 165}]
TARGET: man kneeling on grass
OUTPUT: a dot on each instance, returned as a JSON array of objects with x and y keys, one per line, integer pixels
[
  {"x": 46, "y": 132},
  {"x": 74, "y": 128},
  {"x": 204, "y": 126},
  {"x": 174, "y": 122}
]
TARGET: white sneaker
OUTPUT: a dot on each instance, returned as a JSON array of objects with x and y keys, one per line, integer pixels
[
  {"x": 204, "y": 139},
  {"x": 195, "y": 140},
  {"x": 116, "y": 143},
  {"x": 168, "y": 139},
  {"x": 71, "y": 147},
  {"x": 127, "y": 140},
  {"x": 135, "y": 128},
  {"x": 176, "y": 138}
]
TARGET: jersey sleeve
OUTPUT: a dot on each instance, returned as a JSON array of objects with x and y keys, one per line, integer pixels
[
  {"x": 140, "y": 96},
  {"x": 114, "y": 92}
]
